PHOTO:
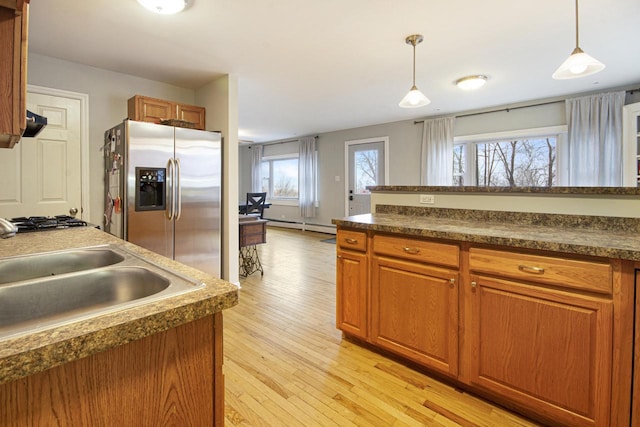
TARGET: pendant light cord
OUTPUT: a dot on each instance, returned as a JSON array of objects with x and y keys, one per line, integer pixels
[{"x": 577, "y": 41}]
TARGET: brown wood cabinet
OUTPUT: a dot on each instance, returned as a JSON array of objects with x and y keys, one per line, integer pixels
[
  {"x": 547, "y": 334},
  {"x": 352, "y": 272},
  {"x": 14, "y": 18},
  {"x": 635, "y": 410},
  {"x": 545, "y": 349},
  {"x": 414, "y": 303},
  {"x": 147, "y": 109},
  {"x": 169, "y": 378}
]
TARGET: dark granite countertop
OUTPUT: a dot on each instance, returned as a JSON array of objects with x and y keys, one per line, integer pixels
[
  {"x": 27, "y": 354},
  {"x": 591, "y": 191},
  {"x": 594, "y": 236}
]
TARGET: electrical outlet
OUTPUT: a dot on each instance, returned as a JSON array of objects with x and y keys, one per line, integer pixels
[{"x": 427, "y": 199}]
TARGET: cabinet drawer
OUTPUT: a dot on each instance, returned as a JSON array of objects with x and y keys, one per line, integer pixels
[
  {"x": 417, "y": 250},
  {"x": 568, "y": 273},
  {"x": 354, "y": 240}
]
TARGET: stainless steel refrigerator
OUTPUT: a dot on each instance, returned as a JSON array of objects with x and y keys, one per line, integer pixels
[{"x": 162, "y": 191}]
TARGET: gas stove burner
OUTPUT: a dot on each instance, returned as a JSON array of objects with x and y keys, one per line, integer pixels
[{"x": 41, "y": 223}]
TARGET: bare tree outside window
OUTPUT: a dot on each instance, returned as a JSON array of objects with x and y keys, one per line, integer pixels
[
  {"x": 366, "y": 170},
  {"x": 511, "y": 163},
  {"x": 280, "y": 178},
  {"x": 459, "y": 164}
]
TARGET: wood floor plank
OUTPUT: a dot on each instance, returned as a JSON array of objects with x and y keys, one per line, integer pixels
[{"x": 285, "y": 363}]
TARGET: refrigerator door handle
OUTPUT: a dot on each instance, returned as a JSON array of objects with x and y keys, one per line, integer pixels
[
  {"x": 170, "y": 190},
  {"x": 178, "y": 190}
]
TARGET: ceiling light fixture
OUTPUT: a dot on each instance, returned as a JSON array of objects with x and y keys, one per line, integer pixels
[
  {"x": 414, "y": 98},
  {"x": 579, "y": 64},
  {"x": 471, "y": 82},
  {"x": 164, "y": 7}
]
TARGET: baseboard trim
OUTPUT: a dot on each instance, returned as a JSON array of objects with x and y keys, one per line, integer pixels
[{"x": 329, "y": 229}]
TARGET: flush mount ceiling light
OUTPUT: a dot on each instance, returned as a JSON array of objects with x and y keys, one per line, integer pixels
[
  {"x": 579, "y": 64},
  {"x": 414, "y": 98},
  {"x": 164, "y": 7},
  {"x": 471, "y": 82}
]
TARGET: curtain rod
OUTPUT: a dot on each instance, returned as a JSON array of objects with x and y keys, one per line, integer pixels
[
  {"x": 279, "y": 142},
  {"x": 415, "y": 122}
]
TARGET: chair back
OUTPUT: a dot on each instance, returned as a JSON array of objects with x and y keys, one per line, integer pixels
[{"x": 255, "y": 203}]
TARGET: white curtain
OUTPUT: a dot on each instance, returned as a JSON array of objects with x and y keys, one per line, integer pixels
[
  {"x": 436, "y": 157},
  {"x": 594, "y": 140},
  {"x": 307, "y": 177},
  {"x": 256, "y": 168}
]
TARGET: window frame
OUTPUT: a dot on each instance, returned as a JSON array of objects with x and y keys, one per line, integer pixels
[
  {"x": 470, "y": 141},
  {"x": 285, "y": 201}
]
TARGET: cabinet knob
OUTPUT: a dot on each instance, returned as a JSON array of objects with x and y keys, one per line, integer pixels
[
  {"x": 339, "y": 256},
  {"x": 474, "y": 285},
  {"x": 452, "y": 282}
]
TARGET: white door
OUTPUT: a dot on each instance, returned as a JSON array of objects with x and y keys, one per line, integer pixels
[
  {"x": 41, "y": 176},
  {"x": 366, "y": 166}
]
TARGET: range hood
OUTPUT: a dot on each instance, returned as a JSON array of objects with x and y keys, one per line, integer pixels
[{"x": 35, "y": 123}]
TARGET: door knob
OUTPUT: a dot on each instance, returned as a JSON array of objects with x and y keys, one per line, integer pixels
[{"x": 73, "y": 212}]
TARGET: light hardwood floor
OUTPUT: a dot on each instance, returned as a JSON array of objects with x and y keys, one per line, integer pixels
[{"x": 286, "y": 364}]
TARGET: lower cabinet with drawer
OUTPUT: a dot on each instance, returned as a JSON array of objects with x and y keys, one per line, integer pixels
[
  {"x": 543, "y": 333},
  {"x": 545, "y": 349},
  {"x": 414, "y": 300},
  {"x": 352, "y": 273}
]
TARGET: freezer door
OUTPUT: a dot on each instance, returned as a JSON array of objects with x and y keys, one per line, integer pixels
[
  {"x": 197, "y": 227},
  {"x": 150, "y": 146}
]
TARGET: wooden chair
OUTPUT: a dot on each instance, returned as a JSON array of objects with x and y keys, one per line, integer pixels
[{"x": 255, "y": 203}]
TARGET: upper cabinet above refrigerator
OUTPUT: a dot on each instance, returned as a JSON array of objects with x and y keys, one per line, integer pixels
[{"x": 153, "y": 110}]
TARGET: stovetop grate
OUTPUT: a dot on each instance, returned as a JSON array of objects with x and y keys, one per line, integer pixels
[{"x": 41, "y": 223}]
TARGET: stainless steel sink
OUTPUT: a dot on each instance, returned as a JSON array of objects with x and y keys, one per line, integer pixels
[
  {"x": 28, "y": 267},
  {"x": 38, "y": 303}
]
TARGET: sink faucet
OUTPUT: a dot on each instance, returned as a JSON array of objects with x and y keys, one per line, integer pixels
[{"x": 7, "y": 228}]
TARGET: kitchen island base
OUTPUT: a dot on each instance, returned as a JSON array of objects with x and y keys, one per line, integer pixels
[{"x": 169, "y": 378}]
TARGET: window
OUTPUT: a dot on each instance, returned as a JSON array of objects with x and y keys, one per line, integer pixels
[
  {"x": 517, "y": 161},
  {"x": 280, "y": 177},
  {"x": 365, "y": 170}
]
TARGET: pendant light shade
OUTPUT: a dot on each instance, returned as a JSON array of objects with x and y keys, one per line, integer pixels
[
  {"x": 414, "y": 98},
  {"x": 578, "y": 64},
  {"x": 164, "y": 7}
]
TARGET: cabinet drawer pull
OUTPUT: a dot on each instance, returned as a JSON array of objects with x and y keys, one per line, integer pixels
[
  {"x": 413, "y": 251},
  {"x": 530, "y": 269},
  {"x": 351, "y": 241}
]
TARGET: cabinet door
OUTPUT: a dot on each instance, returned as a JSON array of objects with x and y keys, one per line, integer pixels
[
  {"x": 414, "y": 312},
  {"x": 145, "y": 109},
  {"x": 546, "y": 350},
  {"x": 193, "y": 114},
  {"x": 13, "y": 73},
  {"x": 351, "y": 293}
]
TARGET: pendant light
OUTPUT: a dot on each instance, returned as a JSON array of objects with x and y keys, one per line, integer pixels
[
  {"x": 579, "y": 64},
  {"x": 164, "y": 7},
  {"x": 414, "y": 98}
]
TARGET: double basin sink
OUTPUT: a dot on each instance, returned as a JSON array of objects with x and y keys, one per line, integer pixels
[{"x": 46, "y": 290}]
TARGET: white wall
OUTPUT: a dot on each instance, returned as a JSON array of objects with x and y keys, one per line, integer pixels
[
  {"x": 220, "y": 98},
  {"x": 567, "y": 204},
  {"x": 108, "y": 94}
]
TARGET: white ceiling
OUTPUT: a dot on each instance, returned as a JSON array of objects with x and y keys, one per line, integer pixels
[{"x": 307, "y": 67}]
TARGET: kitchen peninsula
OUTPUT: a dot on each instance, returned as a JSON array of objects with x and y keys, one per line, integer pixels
[
  {"x": 159, "y": 363},
  {"x": 525, "y": 296}
]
